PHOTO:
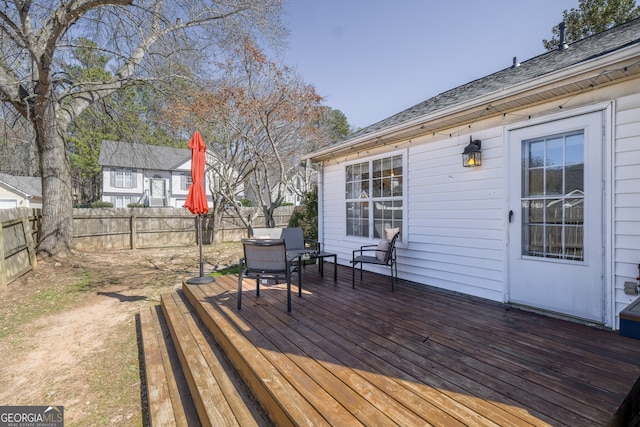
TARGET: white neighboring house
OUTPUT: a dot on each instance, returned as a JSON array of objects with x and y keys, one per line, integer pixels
[
  {"x": 150, "y": 175},
  {"x": 20, "y": 192},
  {"x": 550, "y": 219}
]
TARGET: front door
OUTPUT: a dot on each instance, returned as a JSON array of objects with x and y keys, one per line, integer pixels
[
  {"x": 556, "y": 217},
  {"x": 157, "y": 194}
]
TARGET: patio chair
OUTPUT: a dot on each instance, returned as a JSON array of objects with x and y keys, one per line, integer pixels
[
  {"x": 384, "y": 253},
  {"x": 264, "y": 259},
  {"x": 296, "y": 243}
]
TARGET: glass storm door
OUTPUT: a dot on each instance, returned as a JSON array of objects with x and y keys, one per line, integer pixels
[{"x": 555, "y": 217}]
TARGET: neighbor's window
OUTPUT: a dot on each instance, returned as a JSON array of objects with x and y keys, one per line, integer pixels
[
  {"x": 374, "y": 197},
  {"x": 123, "y": 178},
  {"x": 185, "y": 181},
  {"x": 553, "y": 197},
  {"x": 123, "y": 201}
]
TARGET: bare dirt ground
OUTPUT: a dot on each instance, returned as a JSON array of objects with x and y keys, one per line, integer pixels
[{"x": 68, "y": 329}]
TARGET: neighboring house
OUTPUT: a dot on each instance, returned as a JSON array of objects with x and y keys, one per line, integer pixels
[
  {"x": 20, "y": 192},
  {"x": 549, "y": 221},
  {"x": 150, "y": 175}
]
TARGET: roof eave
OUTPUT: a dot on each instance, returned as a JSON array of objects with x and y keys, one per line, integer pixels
[{"x": 428, "y": 123}]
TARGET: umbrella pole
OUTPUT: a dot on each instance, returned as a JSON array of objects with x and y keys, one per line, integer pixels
[{"x": 202, "y": 279}]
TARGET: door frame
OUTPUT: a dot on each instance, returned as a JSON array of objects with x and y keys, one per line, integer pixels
[{"x": 606, "y": 108}]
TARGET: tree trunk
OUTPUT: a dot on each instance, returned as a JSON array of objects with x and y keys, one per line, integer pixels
[{"x": 56, "y": 231}]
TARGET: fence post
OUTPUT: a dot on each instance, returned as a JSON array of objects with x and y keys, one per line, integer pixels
[
  {"x": 134, "y": 234},
  {"x": 3, "y": 264},
  {"x": 28, "y": 238}
]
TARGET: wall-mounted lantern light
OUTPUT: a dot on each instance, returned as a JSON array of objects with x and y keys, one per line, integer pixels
[{"x": 472, "y": 156}]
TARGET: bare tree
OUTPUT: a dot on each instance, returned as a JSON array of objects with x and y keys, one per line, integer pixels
[
  {"x": 147, "y": 41},
  {"x": 259, "y": 118}
]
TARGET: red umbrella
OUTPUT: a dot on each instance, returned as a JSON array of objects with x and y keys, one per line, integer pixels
[{"x": 197, "y": 198}]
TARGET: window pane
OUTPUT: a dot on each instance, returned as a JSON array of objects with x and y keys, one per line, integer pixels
[
  {"x": 574, "y": 176},
  {"x": 574, "y": 211},
  {"x": 387, "y": 216},
  {"x": 536, "y": 154},
  {"x": 574, "y": 151},
  {"x": 554, "y": 155},
  {"x": 574, "y": 243},
  {"x": 554, "y": 211},
  {"x": 357, "y": 181},
  {"x": 536, "y": 182},
  {"x": 553, "y": 197},
  {"x": 554, "y": 242},
  {"x": 358, "y": 219},
  {"x": 554, "y": 180}
]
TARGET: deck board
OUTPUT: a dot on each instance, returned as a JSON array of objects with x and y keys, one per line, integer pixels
[{"x": 419, "y": 355}]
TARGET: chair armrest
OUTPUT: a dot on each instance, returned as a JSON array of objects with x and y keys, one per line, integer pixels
[{"x": 365, "y": 248}]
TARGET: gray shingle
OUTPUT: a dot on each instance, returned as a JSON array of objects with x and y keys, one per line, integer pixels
[
  {"x": 577, "y": 52},
  {"x": 30, "y": 185},
  {"x": 141, "y": 156}
]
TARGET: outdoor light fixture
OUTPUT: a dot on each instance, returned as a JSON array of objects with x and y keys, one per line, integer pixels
[{"x": 472, "y": 156}]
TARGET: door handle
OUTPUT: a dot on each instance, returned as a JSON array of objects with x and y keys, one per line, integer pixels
[{"x": 510, "y": 216}]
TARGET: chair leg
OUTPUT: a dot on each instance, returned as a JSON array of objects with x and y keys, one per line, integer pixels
[
  {"x": 240, "y": 288},
  {"x": 392, "y": 281},
  {"x": 394, "y": 278},
  {"x": 258, "y": 286},
  {"x": 289, "y": 295},
  {"x": 353, "y": 274}
]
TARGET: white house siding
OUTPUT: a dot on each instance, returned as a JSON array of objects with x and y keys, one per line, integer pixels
[
  {"x": 626, "y": 200},
  {"x": 455, "y": 217},
  {"x": 455, "y": 236},
  {"x": 9, "y": 199}
]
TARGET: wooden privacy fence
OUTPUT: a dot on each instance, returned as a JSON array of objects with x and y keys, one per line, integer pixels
[
  {"x": 113, "y": 228},
  {"x": 17, "y": 243}
]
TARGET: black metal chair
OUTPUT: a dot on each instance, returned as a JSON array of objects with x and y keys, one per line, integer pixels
[
  {"x": 384, "y": 253},
  {"x": 264, "y": 259}
]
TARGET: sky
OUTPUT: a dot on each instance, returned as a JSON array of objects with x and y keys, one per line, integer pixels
[{"x": 371, "y": 59}]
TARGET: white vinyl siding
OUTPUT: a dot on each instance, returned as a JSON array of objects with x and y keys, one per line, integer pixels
[
  {"x": 626, "y": 197},
  {"x": 453, "y": 233},
  {"x": 455, "y": 217},
  {"x": 456, "y": 229}
]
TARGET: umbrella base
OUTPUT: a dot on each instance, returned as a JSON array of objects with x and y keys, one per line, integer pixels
[{"x": 202, "y": 280}]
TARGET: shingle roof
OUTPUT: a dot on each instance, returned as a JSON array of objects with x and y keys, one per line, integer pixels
[
  {"x": 29, "y": 185},
  {"x": 577, "y": 52},
  {"x": 141, "y": 156}
]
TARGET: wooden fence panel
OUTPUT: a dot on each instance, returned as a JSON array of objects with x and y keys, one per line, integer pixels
[
  {"x": 114, "y": 228},
  {"x": 17, "y": 247}
]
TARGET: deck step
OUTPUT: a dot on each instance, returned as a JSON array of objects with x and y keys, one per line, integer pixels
[
  {"x": 219, "y": 396},
  {"x": 288, "y": 393},
  {"x": 168, "y": 395}
]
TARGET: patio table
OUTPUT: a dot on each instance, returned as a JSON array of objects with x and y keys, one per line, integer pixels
[{"x": 300, "y": 256}]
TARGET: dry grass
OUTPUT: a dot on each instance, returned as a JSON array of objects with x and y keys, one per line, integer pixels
[{"x": 68, "y": 329}]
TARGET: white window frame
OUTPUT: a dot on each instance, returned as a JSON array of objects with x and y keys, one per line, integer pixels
[
  {"x": 124, "y": 178},
  {"x": 367, "y": 193},
  {"x": 123, "y": 201}
]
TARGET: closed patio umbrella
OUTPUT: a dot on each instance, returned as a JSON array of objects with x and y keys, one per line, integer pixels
[{"x": 197, "y": 197}]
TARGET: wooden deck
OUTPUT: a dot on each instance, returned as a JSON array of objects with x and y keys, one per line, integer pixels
[{"x": 418, "y": 356}]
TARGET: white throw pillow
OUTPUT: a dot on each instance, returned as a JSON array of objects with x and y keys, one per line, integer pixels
[
  {"x": 390, "y": 232},
  {"x": 381, "y": 250}
]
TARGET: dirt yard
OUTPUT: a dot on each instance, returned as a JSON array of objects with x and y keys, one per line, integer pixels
[{"x": 68, "y": 329}]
